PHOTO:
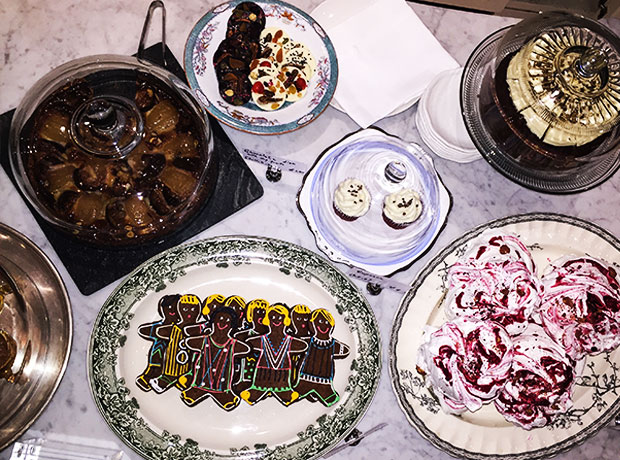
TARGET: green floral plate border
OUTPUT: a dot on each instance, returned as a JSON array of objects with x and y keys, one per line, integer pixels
[
  {"x": 599, "y": 382},
  {"x": 121, "y": 411}
]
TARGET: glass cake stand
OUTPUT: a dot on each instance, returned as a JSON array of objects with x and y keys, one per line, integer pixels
[{"x": 501, "y": 132}]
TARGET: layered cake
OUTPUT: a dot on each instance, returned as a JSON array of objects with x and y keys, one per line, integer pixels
[
  {"x": 553, "y": 105},
  {"x": 561, "y": 85}
]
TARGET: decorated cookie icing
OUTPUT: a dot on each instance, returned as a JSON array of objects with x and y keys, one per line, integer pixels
[
  {"x": 351, "y": 198},
  {"x": 402, "y": 207},
  {"x": 581, "y": 305},
  {"x": 541, "y": 381},
  {"x": 231, "y": 351},
  {"x": 465, "y": 362}
]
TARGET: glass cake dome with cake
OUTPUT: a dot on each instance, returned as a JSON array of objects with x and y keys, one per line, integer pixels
[{"x": 541, "y": 101}]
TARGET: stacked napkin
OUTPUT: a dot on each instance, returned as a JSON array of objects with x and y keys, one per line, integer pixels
[{"x": 386, "y": 57}]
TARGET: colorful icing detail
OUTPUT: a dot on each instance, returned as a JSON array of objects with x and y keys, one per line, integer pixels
[{"x": 230, "y": 351}]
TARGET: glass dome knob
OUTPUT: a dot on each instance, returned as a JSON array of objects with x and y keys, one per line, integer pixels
[
  {"x": 107, "y": 126},
  {"x": 591, "y": 63}
]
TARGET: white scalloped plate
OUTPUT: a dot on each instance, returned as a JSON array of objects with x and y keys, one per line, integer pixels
[
  {"x": 368, "y": 242},
  {"x": 485, "y": 434}
]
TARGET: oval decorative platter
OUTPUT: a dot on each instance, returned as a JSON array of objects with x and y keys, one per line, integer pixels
[
  {"x": 485, "y": 434},
  {"x": 234, "y": 347},
  {"x": 204, "y": 40}
]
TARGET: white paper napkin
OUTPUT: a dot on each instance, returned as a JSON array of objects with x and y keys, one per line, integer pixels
[{"x": 386, "y": 56}]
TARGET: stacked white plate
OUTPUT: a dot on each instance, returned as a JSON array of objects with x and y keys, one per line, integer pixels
[{"x": 440, "y": 122}]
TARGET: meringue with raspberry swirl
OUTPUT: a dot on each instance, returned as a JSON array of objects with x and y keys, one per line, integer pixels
[
  {"x": 541, "y": 381},
  {"x": 465, "y": 363},
  {"x": 494, "y": 281},
  {"x": 580, "y": 306},
  {"x": 496, "y": 246}
]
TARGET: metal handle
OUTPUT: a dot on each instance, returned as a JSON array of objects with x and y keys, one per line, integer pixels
[{"x": 147, "y": 21}]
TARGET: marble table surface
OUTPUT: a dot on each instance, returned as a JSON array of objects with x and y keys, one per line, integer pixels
[{"x": 36, "y": 36}]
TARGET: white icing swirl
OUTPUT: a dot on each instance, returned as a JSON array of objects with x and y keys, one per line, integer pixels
[
  {"x": 352, "y": 198},
  {"x": 507, "y": 293},
  {"x": 541, "y": 381},
  {"x": 581, "y": 305},
  {"x": 465, "y": 362},
  {"x": 496, "y": 246},
  {"x": 403, "y": 206}
]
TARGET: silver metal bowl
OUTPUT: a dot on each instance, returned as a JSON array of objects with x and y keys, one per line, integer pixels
[{"x": 37, "y": 315}]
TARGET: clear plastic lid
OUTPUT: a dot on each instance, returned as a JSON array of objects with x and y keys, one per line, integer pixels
[{"x": 112, "y": 149}]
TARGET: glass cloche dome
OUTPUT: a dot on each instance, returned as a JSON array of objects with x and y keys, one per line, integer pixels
[{"x": 541, "y": 101}]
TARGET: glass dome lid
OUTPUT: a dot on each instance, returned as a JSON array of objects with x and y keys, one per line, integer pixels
[
  {"x": 113, "y": 150},
  {"x": 565, "y": 82},
  {"x": 541, "y": 102}
]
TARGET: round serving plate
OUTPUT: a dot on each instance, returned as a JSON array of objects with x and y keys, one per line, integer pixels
[
  {"x": 368, "y": 242},
  {"x": 36, "y": 314},
  {"x": 209, "y": 32},
  {"x": 277, "y": 425},
  {"x": 485, "y": 434}
]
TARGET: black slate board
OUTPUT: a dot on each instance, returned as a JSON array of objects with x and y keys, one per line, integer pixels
[{"x": 92, "y": 268}]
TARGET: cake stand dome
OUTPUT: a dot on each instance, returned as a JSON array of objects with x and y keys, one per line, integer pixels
[{"x": 541, "y": 101}]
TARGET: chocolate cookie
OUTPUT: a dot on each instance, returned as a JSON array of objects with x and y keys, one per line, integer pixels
[
  {"x": 234, "y": 55},
  {"x": 235, "y": 87},
  {"x": 248, "y": 19}
]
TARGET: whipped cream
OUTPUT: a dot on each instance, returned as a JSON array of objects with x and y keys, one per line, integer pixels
[
  {"x": 541, "y": 381},
  {"x": 494, "y": 280},
  {"x": 352, "y": 198},
  {"x": 465, "y": 363},
  {"x": 403, "y": 206},
  {"x": 580, "y": 306}
]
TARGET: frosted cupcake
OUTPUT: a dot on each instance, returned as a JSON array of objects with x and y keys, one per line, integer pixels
[
  {"x": 402, "y": 208},
  {"x": 351, "y": 199}
]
